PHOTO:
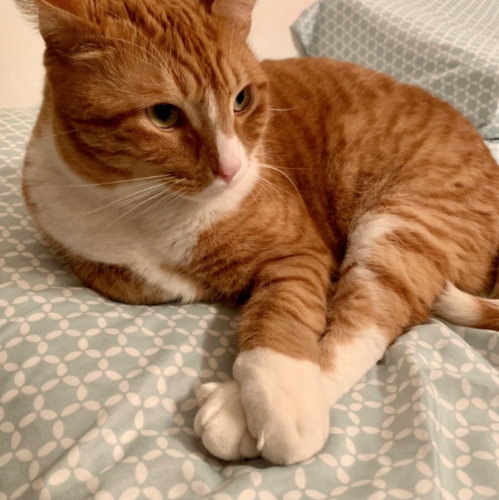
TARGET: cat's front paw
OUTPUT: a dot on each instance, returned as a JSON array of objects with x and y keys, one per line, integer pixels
[
  {"x": 221, "y": 422},
  {"x": 285, "y": 404}
]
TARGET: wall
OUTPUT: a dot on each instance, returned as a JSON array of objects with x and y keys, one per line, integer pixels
[{"x": 21, "y": 47}]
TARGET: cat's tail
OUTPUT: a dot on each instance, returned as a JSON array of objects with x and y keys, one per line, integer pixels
[{"x": 464, "y": 309}]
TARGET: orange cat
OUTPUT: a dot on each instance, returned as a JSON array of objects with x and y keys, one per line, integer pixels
[{"x": 168, "y": 163}]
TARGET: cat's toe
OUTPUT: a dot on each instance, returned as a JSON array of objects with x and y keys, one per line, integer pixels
[
  {"x": 285, "y": 405},
  {"x": 221, "y": 422}
]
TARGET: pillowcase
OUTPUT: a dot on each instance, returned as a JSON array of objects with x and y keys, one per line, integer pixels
[{"x": 448, "y": 47}]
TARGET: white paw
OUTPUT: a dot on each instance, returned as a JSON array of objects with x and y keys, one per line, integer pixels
[
  {"x": 285, "y": 404},
  {"x": 221, "y": 422}
]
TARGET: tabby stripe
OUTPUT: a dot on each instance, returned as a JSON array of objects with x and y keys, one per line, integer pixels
[
  {"x": 397, "y": 284},
  {"x": 418, "y": 244}
]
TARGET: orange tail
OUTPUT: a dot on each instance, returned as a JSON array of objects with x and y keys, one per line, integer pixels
[{"x": 464, "y": 309}]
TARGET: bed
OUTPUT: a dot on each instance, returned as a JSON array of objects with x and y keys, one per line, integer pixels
[{"x": 97, "y": 398}]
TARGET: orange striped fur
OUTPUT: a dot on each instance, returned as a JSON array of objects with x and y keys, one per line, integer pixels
[{"x": 373, "y": 202}]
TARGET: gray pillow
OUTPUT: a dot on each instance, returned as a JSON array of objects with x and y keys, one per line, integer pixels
[{"x": 449, "y": 47}]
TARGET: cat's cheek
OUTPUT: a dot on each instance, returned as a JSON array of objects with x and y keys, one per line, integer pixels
[{"x": 286, "y": 408}]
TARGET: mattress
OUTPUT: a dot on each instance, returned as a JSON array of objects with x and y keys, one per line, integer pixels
[{"x": 97, "y": 398}]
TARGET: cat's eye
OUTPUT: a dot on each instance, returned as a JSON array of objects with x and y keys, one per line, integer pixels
[
  {"x": 164, "y": 115},
  {"x": 242, "y": 100}
]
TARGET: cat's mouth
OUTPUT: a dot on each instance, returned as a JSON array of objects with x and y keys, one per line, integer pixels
[{"x": 219, "y": 186}]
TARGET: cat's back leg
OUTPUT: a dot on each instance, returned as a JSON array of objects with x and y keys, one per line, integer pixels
[{"x": 399, "y": 259}]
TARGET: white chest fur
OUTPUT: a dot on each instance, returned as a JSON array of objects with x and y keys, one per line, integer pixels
[{"x": 100, "y": 224}]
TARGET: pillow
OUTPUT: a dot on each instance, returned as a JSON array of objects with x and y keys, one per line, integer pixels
[{"x": 449, "y": 47}]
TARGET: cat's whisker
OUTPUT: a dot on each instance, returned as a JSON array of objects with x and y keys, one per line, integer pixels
[
  {"x": 168, "y": 197},
  {"x": 165, "y": 66},
  {"x": 119, "y": 207},
  {"x": 129, "y": 198},
  {"x": 155, "y": 204},
  {"x": 279, "y": 110},
  {"x": 138, "y": 196},
  {"x": 122, "y": 40},
  {"x": 157, "y": 177},
  {"x": 175, "y": 66},
  {"x": 255, "y": 197},
  {"x": 257, "y": 203},
  {"x": 67, "y": 132},
  {"x": 277, "y": 189},
  {"x": 271, "y": 187},
  {"x": 64, "y": 133},
  {"x": 160, "y": 59},
  {"x": 282, "y": 191},
  {"x": 151, "y": 198},
  {"x": 284, "y": 174},
  {"x": 269, "y": 192},
  {"x": 128, "y": 212},
  {"x": 231, "y": 41},
  {"x": 145, "y": 61}
]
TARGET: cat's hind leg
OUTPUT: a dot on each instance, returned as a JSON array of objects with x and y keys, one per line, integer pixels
[{"x": 390, "y": 277}]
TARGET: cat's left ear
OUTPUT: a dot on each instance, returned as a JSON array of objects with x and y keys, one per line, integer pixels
[{"x": 237, "y": 11}]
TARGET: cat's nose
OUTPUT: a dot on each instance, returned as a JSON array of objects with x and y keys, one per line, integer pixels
[{"x": 228, "y": 170}]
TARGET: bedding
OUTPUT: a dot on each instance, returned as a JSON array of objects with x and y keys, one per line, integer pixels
[
  {"x": 449, "y": 47},
  {"x": 97, "y": 399}
]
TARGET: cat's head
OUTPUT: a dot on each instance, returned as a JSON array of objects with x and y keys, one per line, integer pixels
[{"x": 142, "y": 88}]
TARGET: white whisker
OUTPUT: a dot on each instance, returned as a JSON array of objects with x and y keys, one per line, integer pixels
[
  {"x": 127, "y": 212},
  {"x": 277, "y": 188},
  {"x": 282, "y": 109},
  {"x": 121, "y": 205},
  {"x": 167, "y": 197},
  {"x": 278, "y": 191},
  {"x": 273, "y": 167},
  {"x": 63, "y": 133},
  {"x": 269, "y": 192},
  {"x": 287, "y": 109},
  {"x": 151, "y": 198},
  {"x": 129, "y": 198},
  {"x": 157, "y": 177},
  {"x": 256, "y": 200},
  {"x": 160, "y": 59},
  {"x": 231, "y": 41},
  {"x": 122, "y": 40}
]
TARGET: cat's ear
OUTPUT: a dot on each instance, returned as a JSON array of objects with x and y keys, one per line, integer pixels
[
  {"x": 63, "y": 24},
  {"x": 237, "y": 11}
]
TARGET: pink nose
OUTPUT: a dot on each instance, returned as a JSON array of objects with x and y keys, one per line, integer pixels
[{"x": 229, "y": 170}]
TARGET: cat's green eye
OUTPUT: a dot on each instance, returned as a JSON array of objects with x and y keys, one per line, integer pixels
[
  {"x": 243, "y": 100},
  {"x": 164, "y": 115}
]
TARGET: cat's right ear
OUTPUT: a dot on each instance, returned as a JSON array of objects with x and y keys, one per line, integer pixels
[
  {"x": 237, "y": 12},
  {"x": 61, "y": 23}
]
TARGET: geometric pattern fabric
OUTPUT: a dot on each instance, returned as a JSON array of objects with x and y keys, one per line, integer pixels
[{"x": 449, "y": 47}]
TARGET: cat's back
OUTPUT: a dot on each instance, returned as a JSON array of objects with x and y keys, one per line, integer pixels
[
  {"x": 311, "y": 84},
  {"x": 361, "y": 134},
  {"x": 323, "y": 76},
  {"x": 346, "y": 113}
]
